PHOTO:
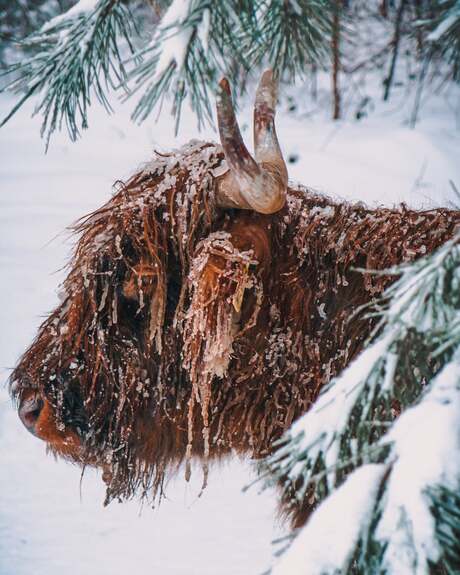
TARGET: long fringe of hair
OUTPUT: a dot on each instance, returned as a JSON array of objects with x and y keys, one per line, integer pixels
[{"x": 174, "y": 341}]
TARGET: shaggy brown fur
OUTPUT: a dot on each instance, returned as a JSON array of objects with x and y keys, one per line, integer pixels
[{"x": 191, "y": 331}]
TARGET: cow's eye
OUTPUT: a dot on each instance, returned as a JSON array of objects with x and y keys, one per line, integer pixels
[{"x": 139, "y": 283}]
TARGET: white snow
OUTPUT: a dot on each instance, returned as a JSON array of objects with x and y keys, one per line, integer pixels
[
  {"x": 327, "y": 543},
  {"x": 45, "y": 528},
  {"x": 79, "y": 9},
  {"x": 453, "y": 16},
  {"x": 426, "y": 448},
  {"x": 174, "y": 40}
]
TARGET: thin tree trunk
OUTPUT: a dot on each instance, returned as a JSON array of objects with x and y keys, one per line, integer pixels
[
  {"x": 314, "y": 82},
  {"x": 383, "y": 8},
  {"x": 396, "y": 41},
  {"x": 418, "y": 94},
  {"x": 25, "y": 14},
  {"x": 418, "y": 30},
  {"x": 336, "y": 60}
]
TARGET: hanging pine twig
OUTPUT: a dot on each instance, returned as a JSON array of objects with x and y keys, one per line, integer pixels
[
  {"x": 196, "y": 42},
  {"x": 76, "y": 54},
  {"x": 292, "y": 35},
  {"x": 335, "y": 46},
  {"x": 445, "y": 508},
  {"x": 444, "y": 34},
  {"x": 396, "y": 41}
]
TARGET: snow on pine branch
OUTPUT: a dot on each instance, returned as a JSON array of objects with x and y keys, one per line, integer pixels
[
  {"x": 425, "y": 453},
  {"x": 326, "y": 543},
  {"x": 345, "y": 429},
  {"x": 81, "y": 8},
  {"x": 174, "y": 34},
  {"x": 450, "y": 19},
  {"x": 383, "y": 515},
  {"x": 443, "y": 38},
  {"x": 73, "y": 56},
  {"x": 191, "y": 48}
]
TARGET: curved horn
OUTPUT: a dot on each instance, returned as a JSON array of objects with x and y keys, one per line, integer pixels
[
  {"x": 248, "y": 184},
  {"x": 267, "y": 148}
]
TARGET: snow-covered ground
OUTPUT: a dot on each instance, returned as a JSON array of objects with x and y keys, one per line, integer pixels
[{"x": 51, "y": 525}]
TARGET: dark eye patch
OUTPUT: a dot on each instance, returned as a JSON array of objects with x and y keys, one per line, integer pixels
[
  {"x": 68, "y": 403},
  {"x": 131, "y": 315},
  {"x": 73, "y": 412}
]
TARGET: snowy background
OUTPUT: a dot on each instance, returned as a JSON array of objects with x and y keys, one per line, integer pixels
[{"x": 49, "y": 523}]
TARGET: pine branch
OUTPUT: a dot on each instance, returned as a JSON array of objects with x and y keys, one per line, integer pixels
[
  {"x": 443, "y": 39},
  {"x": 196, "y": 42},
  {"x": 76, "y": 54},
  {"x": 413, "y": 360},
  {"x": 401, "y": 515},
  {"x": 445, "y": 508},
  {"x": 424, "y": 455},
  {"x": 293, "y": 34}
]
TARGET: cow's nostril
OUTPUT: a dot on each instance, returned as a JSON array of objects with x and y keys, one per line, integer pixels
[{"x": 29, "y": 412}]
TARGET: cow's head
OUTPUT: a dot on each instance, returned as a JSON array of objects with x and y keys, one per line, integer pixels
[{"x": 104, "y": 382}]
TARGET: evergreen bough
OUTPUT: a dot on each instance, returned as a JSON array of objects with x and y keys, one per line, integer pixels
[
  {"x": 384, "y": 440},
  {"x": 196, "y": 42},
  {"x": 292, "y": 35},
  {"x": 90, "y": 48},
  {"x": 74, "y": 55},
  {"x": 444, "y": 37}
]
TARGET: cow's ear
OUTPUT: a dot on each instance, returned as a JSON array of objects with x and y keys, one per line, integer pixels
[{"x": 140, "y": 282}]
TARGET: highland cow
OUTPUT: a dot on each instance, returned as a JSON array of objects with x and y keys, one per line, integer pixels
[{"x": 207, "y": 304}]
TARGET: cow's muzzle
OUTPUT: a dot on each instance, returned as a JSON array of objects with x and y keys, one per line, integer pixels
[{"x": 30, "y": 408}]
